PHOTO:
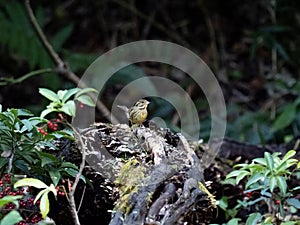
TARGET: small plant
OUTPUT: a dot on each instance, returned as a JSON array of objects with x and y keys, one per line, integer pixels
[
  {"x": 266, "y": 187},
  {"x": 23, "y": 139},
  {"x": 17, "y": 204},
  {"x": 42, "y": 195},
  {"x": 61, "y": 102}
]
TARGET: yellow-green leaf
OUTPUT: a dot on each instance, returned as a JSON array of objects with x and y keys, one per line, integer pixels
[
  {"x": 30, "y": 182},
  {"x": 44, "y": 205}
]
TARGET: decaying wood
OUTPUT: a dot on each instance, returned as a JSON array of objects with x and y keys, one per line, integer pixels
[
  {"x": 148, "y": 176},
  {"x": 231, "y": 149},
  {"x": 156, "y": 174}
]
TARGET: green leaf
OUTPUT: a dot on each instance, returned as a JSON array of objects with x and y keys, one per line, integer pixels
[
  {"x": 47, "y": 159},
  {"x": 293, "y": 202},
  {"x": 24, "y": 112},
  {"x": 253, "y": 219},
  {"x": 254, "y": 179},
  {"x": 49, "y": 94},
  {"x": 85, "y": 99},
  {"x": 273, "y": 183},
  {"x": 30, "y": 182},
  {"x": 61, "y": 94},
  {"x": 289, "y": 223},
  {"x": 9, "y": 198},
  {"x": 55, "y": 176},
  {"x": 288, "y": 155},
  {"x": 38, "y": 196},
  {"x": 241, "y": 175},
  {"x": 44, "y": 205},
  {"x": 52, "y": 189},
  {"x": 61, "y": 36},
  {"x": 27, "y": 124},
  {"x": 85, "y": 90},
  {"x": 72, "y": 172},
  {"x": 261, "y": 161},
  {"x": 281, "y": 182},
  {"x": 13, "y": 217},
  {"x": 69, "y": 93},
  {"x": 234, "y": 221},
  {"x": 69, "y": 108},
  {"x": 233, "y": 174},
  {"x": 46, "y": 112},
  {"x": 68, "y": 165},
  {"x": 269, "y": 161},
  {"x": 286, "y": 117},
  {"x": 223, "y": 203}
]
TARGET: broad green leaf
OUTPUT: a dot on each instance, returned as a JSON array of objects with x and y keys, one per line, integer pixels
[
  {"x": 253, "y": 219},
  {"x": 281, "y": 182},
  {"x": 286, "y": 117},
  {"x": 13, "y": 217},
  {"x": 273, "y": 183},
  {"x": 61, "y": 94},
  {"x": 71, "y": 172},
  {"x": 283, "y": 167},
  {"x": 69, "y": 108},
  {"x": 261, "y": 161},
  {"x": 38, "y": 196},
  {"x": 30, "y": 182},
  {"x": 85, "y": 99},
  {"x": 234, "y": 221},
  {"x": 298, "y": 165},
  {"x": 289, "y": 223},
  {"x": 44, "y": 205},
  {"x": 233, "y": 174},
  {"x": 55, "y": 176},
  {"x": 269, "y": 161},
  {"x": 254, "y": 179},
  {"x": 46, "y": 112},
  {"x": 69, "y": 93},
  {"x": 293, "y": 202},
  {"x": 241, "y": 175},
  {"x": 288, "y": 155},
  {"x": 49, "y": 94},
  {"x": 85, "y": 90},
  {"x": 52, "y": 189},
  {"x": 24, "y": 112},
  {"x": 223, "y": 203},
  {"x": 47, "y": 158},
  {"x": 61, "y": 36},
  {"x": 27, "y": 124},
  {"x": 9, "y": 198},
  {"x": 68, "y": 165}
]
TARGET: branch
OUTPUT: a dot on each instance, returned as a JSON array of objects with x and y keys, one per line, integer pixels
[
  {"x": 9, "y": 80},
  {"x": 74, "y": 210},
  {"x": 62, "y": 67}
]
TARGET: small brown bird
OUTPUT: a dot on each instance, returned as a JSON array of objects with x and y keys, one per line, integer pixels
[{"x": 138, "y": 112}]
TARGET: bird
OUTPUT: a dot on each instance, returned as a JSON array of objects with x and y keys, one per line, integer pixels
[{"x": 138, "y": 113}]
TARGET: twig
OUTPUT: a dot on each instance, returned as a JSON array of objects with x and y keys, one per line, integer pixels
[
  {"x": 9, "y": 80},
  {"x": 62, "y": 67},
  {"x": 81, "y": 200},
  {"x": 74, "y": 211}
]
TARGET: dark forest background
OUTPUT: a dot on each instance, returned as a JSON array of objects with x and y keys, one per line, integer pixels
[{"x": 251, "y": 46}]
